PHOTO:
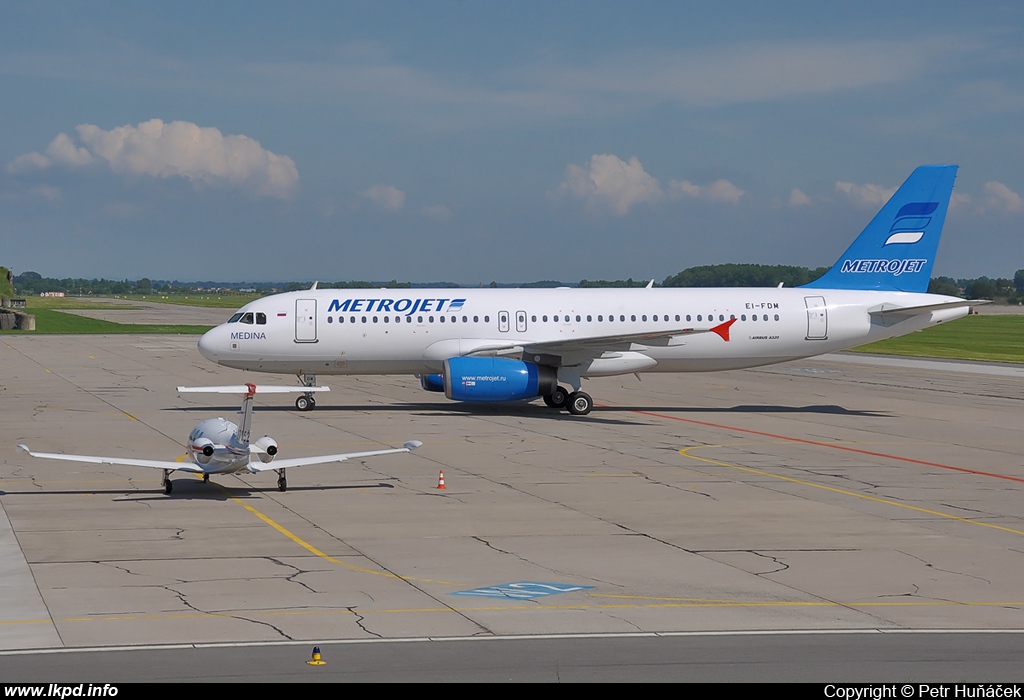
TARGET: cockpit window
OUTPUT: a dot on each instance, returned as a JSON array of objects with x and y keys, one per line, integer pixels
[
  {"x": 261, "y": 319},
  {"x": 234, "y": 319},
  {"x": 247, "y": 318}
]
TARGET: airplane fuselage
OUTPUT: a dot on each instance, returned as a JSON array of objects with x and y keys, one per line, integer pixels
[{"x": 329, "y": 331}]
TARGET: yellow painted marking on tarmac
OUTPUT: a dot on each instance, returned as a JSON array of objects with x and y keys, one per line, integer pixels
[
  {"x": 310, "y": 548},
  {"x": 949, "y": 516}
]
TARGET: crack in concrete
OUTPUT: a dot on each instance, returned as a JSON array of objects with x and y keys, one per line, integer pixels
[
  {"x": 946, "y": 571},
  {"x": 360, "y": 619}
]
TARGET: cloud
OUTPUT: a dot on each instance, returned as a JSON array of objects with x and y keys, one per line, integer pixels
[
  {"x": 1002, "y": 197},
  {"x": 720, "y": 191},
  {"x": 608, "y": 180},
  {"x": 866, "y": 195},
  {"x": 798, "y": 198},
  {"x": 202, "y": 155},
  {"x": 386, "y": 196}
]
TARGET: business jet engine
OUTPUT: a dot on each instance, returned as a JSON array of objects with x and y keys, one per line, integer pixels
[
  {"x": 265, "y": 449},
  {"x": 496, "y": 379},
  {"x": 202, "y": 449}
]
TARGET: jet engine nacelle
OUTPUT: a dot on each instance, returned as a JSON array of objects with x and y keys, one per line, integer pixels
[
  {"x": 202, "y": 450},
  {"x": 266, "y": 449},
  {"x": 432, "y": 382},
  {"x": 496, "y": 379}
]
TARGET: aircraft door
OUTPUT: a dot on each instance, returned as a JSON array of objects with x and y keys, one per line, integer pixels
[
  {"x": 503, "y": 321},
  {"x": 305, "y": 320},
  {"x": 817, "y": 318},
  {"x": 520, "y": 321}
]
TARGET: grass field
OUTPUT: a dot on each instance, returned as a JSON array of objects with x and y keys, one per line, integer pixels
[
  {"x": 54, "y": 322},
  {"x": 212, "y": 301},
  {"x": 34, "y": 303},
  {"x": 988, "y": 338}
]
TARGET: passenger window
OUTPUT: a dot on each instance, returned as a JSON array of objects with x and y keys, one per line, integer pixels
[
  {"x": 776, "y": 317},
  {"x": 330, "y": 319},
  {"x": 577, "y": 318}
]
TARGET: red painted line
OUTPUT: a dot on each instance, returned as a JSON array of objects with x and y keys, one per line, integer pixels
[{"x": 835, "y": 447}]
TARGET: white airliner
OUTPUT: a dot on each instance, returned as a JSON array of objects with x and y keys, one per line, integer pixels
[
  {"x": 509, "y": 344},
  {"x": 218, "y": 446}
]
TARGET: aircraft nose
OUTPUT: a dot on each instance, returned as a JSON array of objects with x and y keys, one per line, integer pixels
[{"x": 208, "y": 346}]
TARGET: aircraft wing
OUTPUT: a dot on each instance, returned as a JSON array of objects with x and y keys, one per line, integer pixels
[
  {"x": 125, "y": 461},
  {"x": 325, "y": 459},
  {"x": 604, "y": 343}
]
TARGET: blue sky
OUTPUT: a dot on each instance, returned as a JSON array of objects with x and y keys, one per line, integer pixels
[{"x": 478, "y": 141}]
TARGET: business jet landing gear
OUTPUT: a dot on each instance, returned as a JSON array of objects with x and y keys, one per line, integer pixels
[
  {"x": 558, "y": 398},
  {"x": 306, "y": 402},
  {"x": 167, "y": 483},
  {"x": 282, "y": 481},
  {"x": 579, "y": 403}
]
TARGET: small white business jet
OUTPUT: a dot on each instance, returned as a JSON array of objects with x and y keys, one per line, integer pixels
[
  {"x": 218, "y": 446},
  {"x": 511, "y": 344}
]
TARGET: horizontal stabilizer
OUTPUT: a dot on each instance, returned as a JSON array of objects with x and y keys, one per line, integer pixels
[
  {"x": 250, "y": 388},
  {"x": 895, "y": 310}
]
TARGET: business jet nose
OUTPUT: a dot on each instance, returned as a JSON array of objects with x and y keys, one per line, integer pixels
[{"x": 208, "y": 345}]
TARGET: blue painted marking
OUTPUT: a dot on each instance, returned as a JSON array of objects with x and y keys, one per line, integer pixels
[{"x": 523, "y": 590}]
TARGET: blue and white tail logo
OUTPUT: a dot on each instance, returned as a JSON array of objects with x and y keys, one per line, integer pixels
[{"x": 897, "y": 249}]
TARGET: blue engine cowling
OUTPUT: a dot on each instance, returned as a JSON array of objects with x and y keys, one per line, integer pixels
[
  {"x": 432, "y": 382},
  {"x": 496, "y": 379}
]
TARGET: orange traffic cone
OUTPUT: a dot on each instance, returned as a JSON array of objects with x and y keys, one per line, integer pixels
[{"x": 440, "y": 480}]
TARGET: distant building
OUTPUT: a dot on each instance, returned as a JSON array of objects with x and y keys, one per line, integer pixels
[{"x": 51, "y": 294}]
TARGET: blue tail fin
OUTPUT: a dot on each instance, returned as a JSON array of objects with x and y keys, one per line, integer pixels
[{"x": 897, "y": 249}]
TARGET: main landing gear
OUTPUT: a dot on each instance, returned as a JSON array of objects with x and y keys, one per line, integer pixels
[
  {"x": 577, "y": 403},
  {"x": 282, "y": 481},
  {"x": 306, "y": 402},
  {"x": 167, "y": 483}
]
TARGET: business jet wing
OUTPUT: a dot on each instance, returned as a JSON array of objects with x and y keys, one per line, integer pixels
[
  {"x": 324, "y": 459},
  {"x": 124, "y": 461}
]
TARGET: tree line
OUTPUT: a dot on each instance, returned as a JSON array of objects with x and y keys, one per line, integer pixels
[{"x": 727, "y": 275}]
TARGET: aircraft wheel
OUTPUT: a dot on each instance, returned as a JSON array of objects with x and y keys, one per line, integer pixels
[
  {"x": 580, "y": 404},
  {"x": 558, "y": 398},
  {"x": 282, "y": 483},
  {"x": 305, "y": 403},
  {"x": 168, "y": 486}
]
